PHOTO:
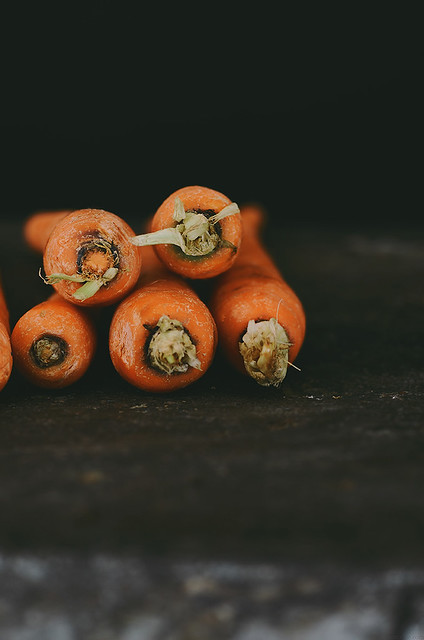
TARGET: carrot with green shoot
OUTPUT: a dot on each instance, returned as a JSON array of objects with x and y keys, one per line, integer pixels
[
  {"x": 89, "y": 258},
  {"x": 162, "y": 336},
  {"x": 260, "y": 320},
  {"x": 196, "y": 232},
  {"x": 6, "y": 360},
  {"x": 53, "y": 343},
  {"x": 39, "y": 225}
]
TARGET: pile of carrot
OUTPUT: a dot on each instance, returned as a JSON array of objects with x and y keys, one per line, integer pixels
[{"x": 162, "y": 336}]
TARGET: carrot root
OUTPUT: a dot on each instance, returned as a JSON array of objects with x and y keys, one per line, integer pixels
[
  {"x": 171, "y": 349},
  {"x": 264, "y": 348},
  {"x": 162, "y": 336},
  {"x": 194, "y": 233},
  {"x": 260, "y": 319},
  {"x": 53, "y": 343},
  {"x": 89, "y": 259},
  {"x": 6, "y": 360}
]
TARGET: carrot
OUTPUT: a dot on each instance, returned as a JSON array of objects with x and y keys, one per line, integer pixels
[
  {"x": 197, "y": 232},
  {"x": 6, "y": 360},
  {"x": 260, "y": 320},
  {"x": 53, "y": 343},
  {"x": 39, "y": 225},
  {"x": 162, "y": 336},
  {"x": 92, "y": 247}
]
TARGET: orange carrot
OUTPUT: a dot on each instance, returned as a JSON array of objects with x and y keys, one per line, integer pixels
[
  {"x": 162, "y": 336},
  {"x": 197, "y": 232},
  {"x": 39, "y": 225},
  {"x": 6, "y": 360},
  {"x": 92, "y": 248},
  {"x": 53, "y": 343},
  {"x": 260, "y": 320}
]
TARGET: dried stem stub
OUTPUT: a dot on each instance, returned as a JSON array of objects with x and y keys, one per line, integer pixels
[
  {"x": 48, "y": 350},
  {"x": 264, "y": 348},
  {"x": 171, "y": 349}
]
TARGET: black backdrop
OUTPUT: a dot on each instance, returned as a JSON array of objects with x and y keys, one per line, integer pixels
[{"x": 315, "y": 112}]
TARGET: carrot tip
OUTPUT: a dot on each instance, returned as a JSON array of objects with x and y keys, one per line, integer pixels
[
  {"x": 264, "y": 349},
  {"x": 171, "y": 349}
]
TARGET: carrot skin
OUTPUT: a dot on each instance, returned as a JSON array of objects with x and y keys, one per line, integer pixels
[
  {"x": 4, "y": 311},
  {"x": 65, "y": 322},
  {"x": 160, "y": 293},
  {"x": 72, "y": 234},
  {"x": 6, "y": 359},
  {"x": 38, "y": 227},
  {"x": 253, "y": 289},
  {"x": 214, "y": 263}
]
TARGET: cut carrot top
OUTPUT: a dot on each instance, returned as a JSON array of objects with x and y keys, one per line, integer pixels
[
  {"x": 53, "y": 343},
  {"x": 89, "y": 258},
  {"x": 196, "y": 232}
]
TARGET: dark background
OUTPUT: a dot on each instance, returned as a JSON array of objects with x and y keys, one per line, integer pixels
[{"x": 314, "y": 111}]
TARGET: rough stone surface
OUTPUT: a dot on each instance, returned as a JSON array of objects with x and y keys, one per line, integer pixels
[{"x": 102, "y": 597}]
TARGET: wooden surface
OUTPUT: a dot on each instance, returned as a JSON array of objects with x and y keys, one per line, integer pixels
[{"x": 325, "y": 471}]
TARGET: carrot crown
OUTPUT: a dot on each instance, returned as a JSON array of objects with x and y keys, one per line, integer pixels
[
  {"x": 98, "y": 263},
  {"x": 171, "y": 349},
  {"x": 264, "y": 348},
  {"x": 194, "y": 231}
]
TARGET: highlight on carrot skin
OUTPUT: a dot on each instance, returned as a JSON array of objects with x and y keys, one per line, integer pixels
[
  {"x": 53, "y": 343},
  {"x": 39, "y": 225},
  {"x": 162, "y": 336},
  {"x": 260, "y": 319},
  {"x": 6, "y": 360},
  {"x": 89, "y": 258},
  {"x": 196, "y": 232}
]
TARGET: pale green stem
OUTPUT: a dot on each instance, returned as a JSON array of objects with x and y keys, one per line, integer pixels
[
  {"x": 53, "y": 278},
  {"x": 194, "y": 233},
  {"x": 88, "y": 289},
  {"x": 92, "y": 286},
  {"x": 229, "y": 210},
  {"x": 163, "y": 236}
]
